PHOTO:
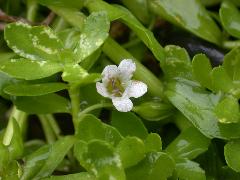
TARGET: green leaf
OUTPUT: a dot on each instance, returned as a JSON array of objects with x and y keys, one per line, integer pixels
[
  {"x": 230, "y": 15},
  {"x": 194, "y": 144},
  {"x": 43, "y": 162},
  {"x": 50, "y": 103},
  {"x": 154, "y": 110},
  {"x": 16, "y": 144},
  {"x": 34, "y": 89},
  {"x": 131, "y": 151},
  {"x": 34, "y": 162},
  {"x": 12, "y": 171},
  {"x": 176, "y": 63},
  {"x": 69, "y": 37},
  {"x": 155, "y": 166},
  {"x": 202, "y": 70},
  {"x": 231, "y": 64},
  {"x": 4, "y": 156},
  {"x": 29, "y": 69},
  {"x": 134, "y": 127},
  {"x": 5, "y": 80},
  {"x": 198, "y": 106},
  {"x": 58, "y": 151},
  {"x": 119, "y": 12},
  {"x": 77, "y": 176},
  {"x": 232, "y": 156},
  {"x": 220, "y": 80},
  {"x": 75, "y": 74},
  {"x": 99, "y": 158},
  {"x": 90, "y": 128},
  {"x": 186, "y": 169},
  {"x": 227, "y": 110},
  {"x": 94, "y": 33},
  {"x": 35, "y": 43},
  {"x": 63, "y": 3},
  {"x": 139, "y": 9},
  {"x": 194, "y": 18},
  {"x": 153, "y": 143}
]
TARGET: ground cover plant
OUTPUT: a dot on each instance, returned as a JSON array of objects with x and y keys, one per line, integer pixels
[{"x": 123, "y": 89}]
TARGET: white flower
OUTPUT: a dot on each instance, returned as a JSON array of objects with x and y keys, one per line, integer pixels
[{"x": 117, "y": 85}]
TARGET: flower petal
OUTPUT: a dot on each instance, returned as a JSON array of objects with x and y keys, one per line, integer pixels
[
  {"x": 101, "y": 89},
  {"x": 126, "y": 68},
  {"x": 136, "y": 89},
  {"x": 122, "y": 104},
  {"x": 109, "y": 72}
]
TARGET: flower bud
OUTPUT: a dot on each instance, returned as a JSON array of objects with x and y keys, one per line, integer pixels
[{"x": 154, "y": 111}]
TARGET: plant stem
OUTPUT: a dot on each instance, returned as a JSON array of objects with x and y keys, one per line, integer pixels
[
  {"x": 48, "y": 131},
  {"x": 94, "y": 107},
  {"x": 31, "y": 10},
  {"x": 74, "y": 94},
  {"x": 54, "y": 125},
  {"x": 231, "y": 44}
]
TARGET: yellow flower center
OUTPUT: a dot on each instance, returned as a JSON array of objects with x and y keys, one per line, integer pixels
[{"x": 115, "y": 87}]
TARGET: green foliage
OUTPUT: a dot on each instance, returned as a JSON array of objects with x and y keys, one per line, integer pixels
[
  {"x": 231, "y": 153},
  {"x": 34, "y": 89},
  {"x": 134, "y": 126},
  {"x": 45, "y": 104},
  {"x": 229, "y": 15},
  {"x": 53, "y": 69},
  {"x": 194, "y": 18},
  {"x": 90, "y": 128},
  {"x": 94, "y": 33}
]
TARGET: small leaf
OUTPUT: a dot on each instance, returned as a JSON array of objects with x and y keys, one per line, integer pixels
[
  {"x": 50, "y": 103},
  {"x": 131, "y": 151},
  {"x": 202, "y": 70},
  {"x": 94, "y": 33},
  {"x": 154, "y": 110},
  {"x": 57, "y": 152},
  {"x": 153, "y": 143},
  {"x": 177, "y": 63},
  {"x": 232, "y": 156},
  {"x": 134, "y": 127},
  {"x": 35, "y": 43},
  {"x": 194, "y": 144},
  {"x": 231, "y": 64},
  {"x": 28, "y": 69},
  {"x": 34, "y": 89},
  {"x": 194, "y": 18},
  {"x": 186, "y": 169},
  {"x": 99, "y": 158},
  {"x": 155, "y": 166},
  {"x": 227, "y": 110},
  {"x": 220, "y": 80},
  {"x": 230, "y": 15},
  {"x": 90, "y": 128}
]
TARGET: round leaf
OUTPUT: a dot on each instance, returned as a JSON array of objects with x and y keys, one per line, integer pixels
[{"x": 232, "y": 156}]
